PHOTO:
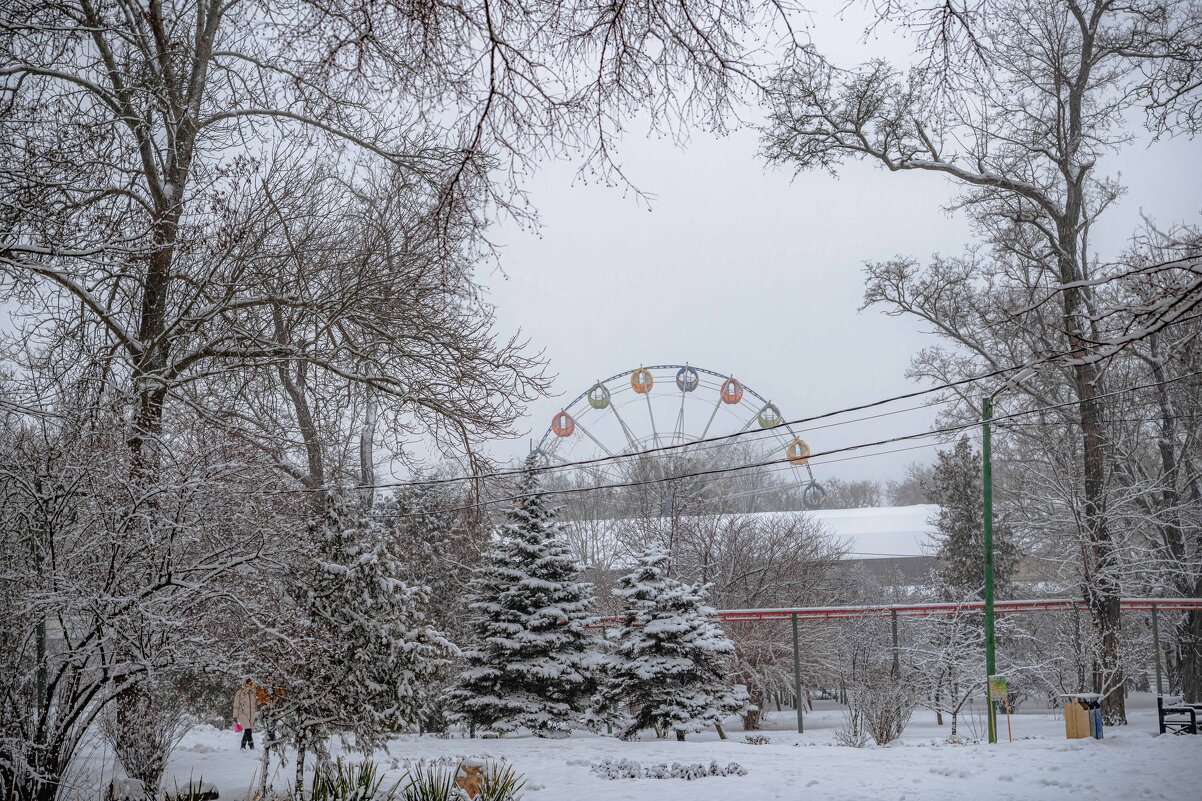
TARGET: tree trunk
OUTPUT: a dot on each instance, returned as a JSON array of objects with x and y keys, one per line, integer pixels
[
  {"x": 298, "y": 789},
  {"x": 721, "y": 731},
  {"x": 1101, "y": 569},
  {"x": 680, "y": 735},
  {"x": 264, "y": 764},
  {"x": 1101, "y": 590},
  {"x": 753, "y": 718},
  {"x": 1172, "y": 530},
  {"x": 1190, "y": 654},
  {"x": 367, "y": 468}
]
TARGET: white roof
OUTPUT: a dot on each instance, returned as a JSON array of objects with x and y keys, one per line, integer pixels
[
  {"x": 882, "y": 531},
  {"x": 877, "y": 532}
]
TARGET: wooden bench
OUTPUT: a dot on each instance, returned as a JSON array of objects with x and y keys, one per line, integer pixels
[{"x": 1173, "y": 714}]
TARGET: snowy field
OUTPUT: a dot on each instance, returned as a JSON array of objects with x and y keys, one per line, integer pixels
[{"x": 1131, "y": 763}]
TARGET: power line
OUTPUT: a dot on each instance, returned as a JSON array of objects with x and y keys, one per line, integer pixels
[
  {"x": 662, "y": 449},
  {"x": 785, "y": 462},
  {"x": 763, "y": 435},
  {"x": 668, "y": 448},
  {"x": 760, "y": 491}
]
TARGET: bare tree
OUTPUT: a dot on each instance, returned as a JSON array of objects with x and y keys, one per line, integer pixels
[
  {"x": 760, "y": 561},
  {"x": 104, "y": 588},
  {"x": 1018, "y": 116},
  {"x": 144, "y": 106},
  {"x": 913, "y": 488},
  {"x": 842, "y": 494}
]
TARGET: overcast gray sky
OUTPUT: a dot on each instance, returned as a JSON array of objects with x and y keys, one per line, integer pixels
[{"x": 742, "y": 269}]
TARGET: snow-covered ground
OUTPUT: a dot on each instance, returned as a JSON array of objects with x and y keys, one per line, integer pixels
[{"x": 1130, "y": 763}]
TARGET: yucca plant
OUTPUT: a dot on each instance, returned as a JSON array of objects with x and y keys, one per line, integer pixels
[
  {"x": 501, "y": 783},
  {"x": 341, "y": 781},
  {"x": 431, "y": 784}
]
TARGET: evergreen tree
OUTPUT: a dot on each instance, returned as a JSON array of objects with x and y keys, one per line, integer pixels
[
  {"x": 435, "y": 544},
  {"x": 365, "y": 650},
  {"x": 670, "y": 660},
  {"x": 956, "y": 488},
  {"x": 534, "y": 657}
]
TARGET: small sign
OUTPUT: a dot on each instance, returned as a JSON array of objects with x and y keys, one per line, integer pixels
[{"x": 997, "y": 688}]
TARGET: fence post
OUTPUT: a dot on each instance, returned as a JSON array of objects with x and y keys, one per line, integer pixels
[
  {"x": 1156, "y": 648},
  {"x": 896, "y": 666},
  {"x": 797, "y": 676}
]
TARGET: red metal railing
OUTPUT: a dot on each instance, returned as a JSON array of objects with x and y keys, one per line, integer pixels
[{"x": 926, "y": 610}]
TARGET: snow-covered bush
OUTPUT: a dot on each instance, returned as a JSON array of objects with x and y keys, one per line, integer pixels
[
  {"x": 629, "y": 769},
  {"x": 881, "y": 707},
  {"x": 143, "y": 726},
  {"x": 852, "y": 733}
]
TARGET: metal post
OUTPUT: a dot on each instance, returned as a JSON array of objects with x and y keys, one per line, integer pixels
[
  {"x": 1155, "y": 648},
  {"x": 797, "y": 676},
  {"x": 41, "y": 668},
  {"x": 987, "y": 482},
  {"x": 896, "y": 666},
  {"x": 1078, "y": 655}
]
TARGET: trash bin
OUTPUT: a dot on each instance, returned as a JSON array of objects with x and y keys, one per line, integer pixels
[{"x": 1082, "y": 715}]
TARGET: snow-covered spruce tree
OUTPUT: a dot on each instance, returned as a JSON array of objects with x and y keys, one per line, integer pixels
[
  {"x": 534, "y": 658},
  {"x": 956, "y": 488},
  {"x": 670, "y": 661},
  {"x": 366, "y": 650}
]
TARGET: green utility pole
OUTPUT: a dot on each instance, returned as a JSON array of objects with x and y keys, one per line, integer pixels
[
  {"x": 987, "y": 504},
  {"x": 987, "y": 481}
]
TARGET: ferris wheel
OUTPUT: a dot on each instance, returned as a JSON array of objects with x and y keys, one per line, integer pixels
[{"x": 665, "y": 419}]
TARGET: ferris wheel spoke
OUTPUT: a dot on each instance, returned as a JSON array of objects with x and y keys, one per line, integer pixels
[
  {"x": 596, "y": 441},
  {"x": 732, "y": 439},
  {"x": 713, "y": 414},
  {"x": 678, "y": 431},
  {"x": 651, "y": 414},
  {"x": 634, "y": 444},
  {"x": 552, "y": 455},
  {"x": 782, "y": 438}
]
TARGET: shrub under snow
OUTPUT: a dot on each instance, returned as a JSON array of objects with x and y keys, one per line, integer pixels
[
  {"x": 629, "y": 769},
  {"x": 880, "y": 707}
]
